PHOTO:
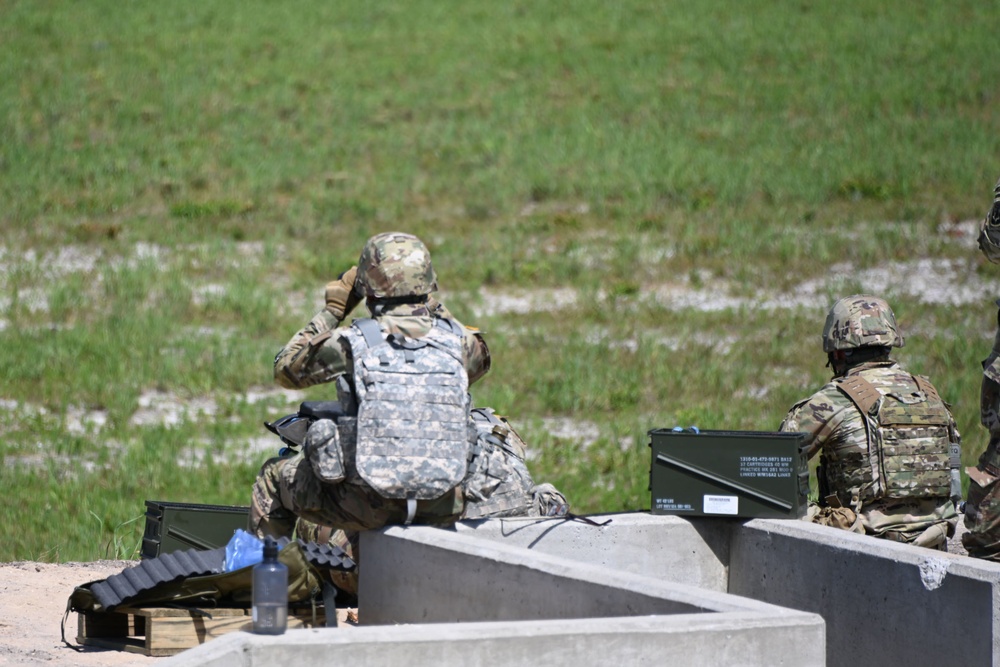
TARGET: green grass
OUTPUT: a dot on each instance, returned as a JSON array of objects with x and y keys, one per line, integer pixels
[{"x": 177, "y": 185}]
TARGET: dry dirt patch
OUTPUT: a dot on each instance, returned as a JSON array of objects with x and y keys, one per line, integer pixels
[{"x": 33, "y": 600}]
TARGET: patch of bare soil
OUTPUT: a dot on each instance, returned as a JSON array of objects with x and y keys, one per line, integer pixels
[{"x": 33, "y": 600}]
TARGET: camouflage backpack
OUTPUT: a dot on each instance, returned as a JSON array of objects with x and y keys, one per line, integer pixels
[
  {"x": 414, "y": 432},
  {"x": 499, "y": 484}
]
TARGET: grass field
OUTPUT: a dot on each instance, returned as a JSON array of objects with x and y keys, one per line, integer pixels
[{"x": 648, "y": 207}]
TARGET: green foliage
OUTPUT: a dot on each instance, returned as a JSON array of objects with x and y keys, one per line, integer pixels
[{"x": 669, "y": 186}]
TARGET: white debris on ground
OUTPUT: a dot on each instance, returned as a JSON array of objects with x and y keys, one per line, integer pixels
[
  {"x": 81, "y": 421},
  {"x": 582, "y": 432},
  {"x": 157, "y": 408},
  {"x": 932, "y": 281},
  {"x": 247, "y": 450},
  {"x": 164, "y": 408},
  {"x": 939, "y": 281},
  {"x": 522, "y": 302}
]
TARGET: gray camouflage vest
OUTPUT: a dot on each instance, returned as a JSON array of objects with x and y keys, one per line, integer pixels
[
  {"x": 909, "y": 441},
  {"x": 413, "y": 423}
]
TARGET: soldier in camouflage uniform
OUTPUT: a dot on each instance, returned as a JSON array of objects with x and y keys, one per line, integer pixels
[
  {"x": 982, "y": 507},
  {"x": 395, "y": 276},
  {"x": 889, "y": 444}
]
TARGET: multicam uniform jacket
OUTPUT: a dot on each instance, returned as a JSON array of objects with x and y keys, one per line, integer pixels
[{"x": 892, "y": 492}]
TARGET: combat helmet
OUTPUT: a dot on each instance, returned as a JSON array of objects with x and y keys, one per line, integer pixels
[
  {"x": 394, "y": 265},
  {"x": 858, "y": 321}
]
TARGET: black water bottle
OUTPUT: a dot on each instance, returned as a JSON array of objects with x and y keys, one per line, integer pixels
[{"x": 270, "y": 592}]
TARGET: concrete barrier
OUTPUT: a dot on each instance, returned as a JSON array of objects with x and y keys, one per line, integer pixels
[
  {"x": 884, "y": 603},
  {"x": 428, "y": 575},
  {"x": 668, "y": 548},
  {"x": 438, "y": 597},
  {"x": 644, "y": 587},
  {"x": 695, "y": 640}
]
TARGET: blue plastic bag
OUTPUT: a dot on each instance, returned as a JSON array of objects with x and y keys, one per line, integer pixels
[{"x": 243, "y": 549}]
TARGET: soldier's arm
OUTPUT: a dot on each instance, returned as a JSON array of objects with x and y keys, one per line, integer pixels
[
  {"x": 989, "y": 404},
  {"x": 989, "y": 392},
  {"x": 989, "y": 230},
  {"x": 792, "y": 423},
  {"x": 817, "y": 416},
  {"x": 477, "y": 354},
  {"x": 314, "y": 355}
]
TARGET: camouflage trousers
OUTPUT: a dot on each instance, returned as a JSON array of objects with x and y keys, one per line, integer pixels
[
  {"x": 287, "y": 490},
  {"x": 926, "y": 523},
  {"x": 982, "y": 506},
  {"x": 289, "y": 499}
]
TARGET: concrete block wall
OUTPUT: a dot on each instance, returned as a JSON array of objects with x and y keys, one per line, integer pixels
[
  {"x": 668, "y": 548},
  {"x": 696, "y": 640},
  {"x": 884, "y": 603},
  {"x": 428, "y": 575},
  {"x": 641, "y": 587},
  {"x": 458, "y": 597}
]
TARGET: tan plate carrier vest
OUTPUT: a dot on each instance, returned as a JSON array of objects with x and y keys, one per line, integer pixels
[{"x": 908, "y": 450}]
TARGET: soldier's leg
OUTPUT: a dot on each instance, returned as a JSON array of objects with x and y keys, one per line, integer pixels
[
  {"x": 982, "y": 505},
  {"x": 347, "y": 542},
  {"x": 320, "y": 534},
  {"x": 287, "y": 490},
  {"x": 268, "y": 515}
]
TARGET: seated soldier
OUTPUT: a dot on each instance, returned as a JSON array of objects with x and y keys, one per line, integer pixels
[
  {"x": 411, "y": 448},
  {"x": 889, "y": 444}
]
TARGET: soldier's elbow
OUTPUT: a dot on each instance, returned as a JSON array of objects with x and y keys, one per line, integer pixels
[{"x": 284, "y": 377}]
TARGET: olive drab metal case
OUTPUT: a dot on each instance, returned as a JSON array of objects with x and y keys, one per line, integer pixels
[
  {"x": 177, "y": 526},
  {"x": 728, "y": 474}
]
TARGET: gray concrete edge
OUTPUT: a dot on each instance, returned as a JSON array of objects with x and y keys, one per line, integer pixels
[
  {"x": 868, "y": 546},
  {"x": 567, "y": 640}
]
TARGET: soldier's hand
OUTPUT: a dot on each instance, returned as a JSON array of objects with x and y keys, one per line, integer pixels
[{"x": 341, "y": 297}]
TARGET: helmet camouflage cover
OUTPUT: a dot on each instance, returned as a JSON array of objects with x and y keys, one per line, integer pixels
[
  {"x": 394, "y": 264},
  {"x": 861, "y": 320}
]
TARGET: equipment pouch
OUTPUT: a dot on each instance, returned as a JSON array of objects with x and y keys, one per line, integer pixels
[{"x": 323, "y": 450}]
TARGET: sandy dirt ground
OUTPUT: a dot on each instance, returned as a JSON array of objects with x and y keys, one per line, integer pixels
[{"x": 33, "y": 600}]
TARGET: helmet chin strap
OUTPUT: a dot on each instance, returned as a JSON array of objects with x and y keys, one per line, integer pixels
[
  {"x": 838, "y": 361},
  {"x": 377, "y": 306},
  {"x": 841, "y": 360}
]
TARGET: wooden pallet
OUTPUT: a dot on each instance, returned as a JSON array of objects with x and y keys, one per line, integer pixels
[{"x": 163, "y": 631}]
